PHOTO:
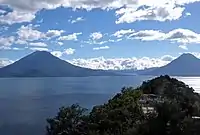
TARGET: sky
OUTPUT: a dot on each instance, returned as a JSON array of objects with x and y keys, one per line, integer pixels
[{"x": 100, "y": 34}]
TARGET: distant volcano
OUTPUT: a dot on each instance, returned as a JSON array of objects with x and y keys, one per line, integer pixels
[
  {"x": 185, "y": 65},
  {"x": 44, "y": 64}
]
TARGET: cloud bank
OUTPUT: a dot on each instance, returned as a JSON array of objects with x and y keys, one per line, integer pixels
[
  {"x": 127, "y": 11},
  {"x": 122, "y": 63}
]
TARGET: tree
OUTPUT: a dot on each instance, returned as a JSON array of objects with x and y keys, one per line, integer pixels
[{"x": 69, "y": 121}]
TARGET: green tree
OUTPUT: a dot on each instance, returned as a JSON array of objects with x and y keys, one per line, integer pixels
[{"x": 69, "y": 121}]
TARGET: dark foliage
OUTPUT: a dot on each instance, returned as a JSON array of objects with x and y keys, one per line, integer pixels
[{"x": 173, "y": 107}]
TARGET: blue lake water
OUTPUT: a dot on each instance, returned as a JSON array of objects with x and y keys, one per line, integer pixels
[{"x": 25, "y": 103}]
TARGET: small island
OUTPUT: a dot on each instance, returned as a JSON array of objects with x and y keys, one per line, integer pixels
[{"x": 161, "y": 106}]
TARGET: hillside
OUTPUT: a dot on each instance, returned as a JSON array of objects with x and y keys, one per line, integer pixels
[
  {"x": 161, "y": 106},
  {"x": 44, "y": 64}
]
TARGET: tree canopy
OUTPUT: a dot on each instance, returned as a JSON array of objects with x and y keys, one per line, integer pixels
[{"x": 174, "y": 109}]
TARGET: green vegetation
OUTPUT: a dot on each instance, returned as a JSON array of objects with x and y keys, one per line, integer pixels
[{"x": 173, "y": 110}]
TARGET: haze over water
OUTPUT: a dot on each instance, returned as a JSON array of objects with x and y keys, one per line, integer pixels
[{"x": 193, "y": 82}]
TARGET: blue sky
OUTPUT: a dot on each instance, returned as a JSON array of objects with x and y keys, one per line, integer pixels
[{"x": 100, "y": 33}]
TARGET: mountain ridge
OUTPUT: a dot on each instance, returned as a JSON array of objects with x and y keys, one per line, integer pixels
[
  {"x": 44, "y": 64},
  {"x": 185, "y": 65}
]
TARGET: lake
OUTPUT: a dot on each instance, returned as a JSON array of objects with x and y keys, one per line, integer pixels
[{"x": 25, "y": 103}]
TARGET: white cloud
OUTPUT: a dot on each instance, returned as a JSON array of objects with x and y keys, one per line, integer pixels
[
  {"x": 39, "y": 49},
  {"x": 2, "y": 11},
  {"x": 96, "y": 35},
  {"x": 40, "y": 21},
  {"x": 121, "y": 33},
  {"x": 5, "y": 62},
  {"x": 121, "y": 63},
  {"x": 6, "y": 41},
  {"x": 183, "y": 36},
  {"x": 148, "y": 35},
  {"x": 184, "y": 47},
  {"x": 9, "y": 48},
  {"x": 161, "y": 13},
  {"x": 24, "y": 11},
  {"x": 36, "y": 5},
  {"x": 155, "y": 9},
  {"x": 101, "y": 48},
  {"x": 159, "y": 10},
  {"x": 60, "y": 43},
  {"x": 16, "y": 17},
  {"x": 38, "y": 44},
  {"x": 21, "y": 42},
  {"x": 78, "y": 19},
  {"x": 69, "y": 51},
  {"x": 188, "y": 14},
  {"x": 54, "y": 33},
  {"x": 95, "y": 39},
  {"x": 17, "y": 49},
  {"x": 118, "y": 40},
  {"x": 57, "y": 53},
  {"x": 73, "y": 36},
  {"x": 92, "y": 42},
  {"x": 167, "y": 58},
  {"x": 5, "y": 48},
  {"x": 29, "y": 33}
]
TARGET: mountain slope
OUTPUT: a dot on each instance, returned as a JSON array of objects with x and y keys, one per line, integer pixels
[
  {"x": 44, "y": 64},
  {"x": 185, "y": 65}
]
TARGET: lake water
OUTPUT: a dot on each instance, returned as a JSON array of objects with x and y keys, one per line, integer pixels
[{"x": 25, "y": 103}]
